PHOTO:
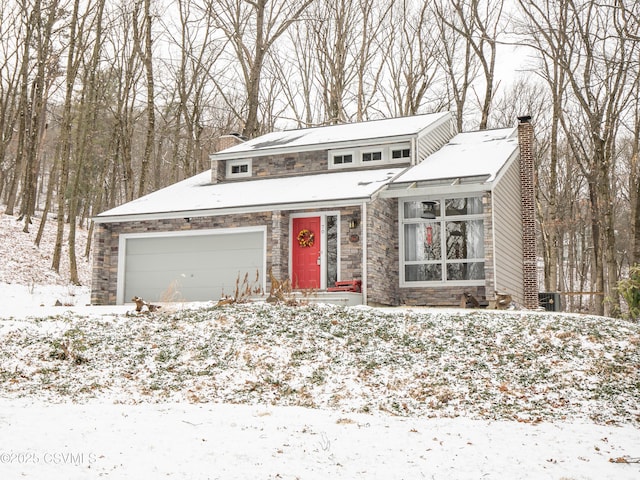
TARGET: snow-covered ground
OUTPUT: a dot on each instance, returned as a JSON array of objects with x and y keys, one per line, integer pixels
[{"x": 264, "y": 392}]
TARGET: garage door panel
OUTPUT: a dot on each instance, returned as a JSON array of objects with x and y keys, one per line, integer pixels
[
  {"x": 200, "y": 243},
  {"x": 194, "y": 268},
  {"x": 189, "y": 262}
]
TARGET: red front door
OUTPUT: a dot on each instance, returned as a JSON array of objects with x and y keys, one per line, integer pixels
[{"x": 305, "y": 256}]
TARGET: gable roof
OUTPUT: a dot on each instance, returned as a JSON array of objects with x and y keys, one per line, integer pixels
[
  {"x": 198, "y": 196},
  {"x": 479, "y": 154},
  {"x": 334, "y": 136}
]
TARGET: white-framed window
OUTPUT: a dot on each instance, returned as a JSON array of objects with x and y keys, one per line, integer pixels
[
  {"x": 371, "y": 155},
  {"x": 239, "y": 168},
  {"x": 343, "y": 158},
  {"x": 400, "y": 153},
  {"x": 442, "y": 241}
]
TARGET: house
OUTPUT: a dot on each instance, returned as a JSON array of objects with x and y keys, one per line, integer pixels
[{"x": 416, "y": 212}]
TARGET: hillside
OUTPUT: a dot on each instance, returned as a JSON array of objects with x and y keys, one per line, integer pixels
[
  {"x": 22, "y": 263},
  {"x": 269, "y": 391},
  {"x": 528, "y": 367}
]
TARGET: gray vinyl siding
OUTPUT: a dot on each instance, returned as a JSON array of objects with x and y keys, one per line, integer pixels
[
  {"x": 434, "y": 139},
  {"x": 507, "y": 226}
]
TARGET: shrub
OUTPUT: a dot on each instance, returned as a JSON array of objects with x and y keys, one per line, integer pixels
[{"x": 629, "y": 288}]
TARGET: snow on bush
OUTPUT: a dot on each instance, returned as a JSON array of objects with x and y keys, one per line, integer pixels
[{"x": 522, "y": 366}]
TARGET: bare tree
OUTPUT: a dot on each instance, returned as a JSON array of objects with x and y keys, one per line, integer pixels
[
  {"x": 457, "y": 59},
  {"x": 413, "y": 61},
  {"x": 189, "y": 94},
  {"x": 252, "y": 27},
  {"x": 480, "y": 23},
  {"x": 295, "y": 65},
  {"x": 143, "y": 44},
  {"x": 10, "y": 46},
  {"x": 333, "y": 37},
  {"x": 596, "y": 67},
  {"x": 38, "y": 68},
  {"x": 126, "y": 72}
]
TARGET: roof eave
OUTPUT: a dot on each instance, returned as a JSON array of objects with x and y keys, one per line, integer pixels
[
  {"x": 441, "y": 186},
  {"x": 343, "y": 145},
  {"x": 213, "y": 212}
]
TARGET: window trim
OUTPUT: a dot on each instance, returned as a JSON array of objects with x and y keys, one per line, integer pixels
[
  {"x": 358, "y": 152},
  {"x": 366, "y": 151},
  {"x": 442, "y": 220},
  {"x": 238, "y": 163},
  {"x": 400, "y": 149},
  {"x": 342, "y": 153}
]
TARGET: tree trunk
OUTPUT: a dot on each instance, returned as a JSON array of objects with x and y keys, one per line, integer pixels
[{"x": 144, "y": 47}]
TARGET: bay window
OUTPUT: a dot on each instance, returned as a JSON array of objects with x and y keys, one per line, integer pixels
[{"x": 442, "y": 241}]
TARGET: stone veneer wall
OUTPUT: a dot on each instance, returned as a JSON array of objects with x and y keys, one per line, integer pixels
[
  {"x": 350, "y": 252},
  {"x": 383, "y": 252},
  {"x": 489, "y": 246},
  {"x": 107, "y": 235},
  {"x": 290, "y": 164}
]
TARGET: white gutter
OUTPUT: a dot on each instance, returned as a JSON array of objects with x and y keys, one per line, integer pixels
[
  {"x": 213, "y": 212},
  {"x": 435, "y": 190},
  {"x": 342, "y": 145}
]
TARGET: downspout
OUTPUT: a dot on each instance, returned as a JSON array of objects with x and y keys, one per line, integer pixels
[{"x": 364, "y": 253}]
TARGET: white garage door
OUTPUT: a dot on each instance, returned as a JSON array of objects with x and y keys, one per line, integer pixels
[{"x": 195, "y": 266}]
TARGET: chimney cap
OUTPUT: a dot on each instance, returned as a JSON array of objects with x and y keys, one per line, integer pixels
[
  {"x": 524, "y": 119},
  {"x": 235, "y": 135}
]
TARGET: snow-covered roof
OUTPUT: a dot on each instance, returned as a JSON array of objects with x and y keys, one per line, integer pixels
[
  {"x": 473, "y": 154},
  {"x": 198, "y": 195},
  {"x": 332, "y": 135}
]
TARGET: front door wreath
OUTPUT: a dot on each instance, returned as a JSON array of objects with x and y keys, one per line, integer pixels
[{"x": 305, "y": 238}]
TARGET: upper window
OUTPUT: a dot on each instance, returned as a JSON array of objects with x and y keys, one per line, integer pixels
[
  {"x": 372, "y": 156},
  {"x": 442, "y": 241},
  {"x": 400, "y": 153},
  {"x": 342, "y": 159},
  {"x": 381, "y": 154},
  {"x": 242, "y": 168},
  {"x": 238, "y": 168}
]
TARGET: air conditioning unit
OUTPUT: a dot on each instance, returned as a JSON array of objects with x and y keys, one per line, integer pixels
[{"x": 550, "y": 301}]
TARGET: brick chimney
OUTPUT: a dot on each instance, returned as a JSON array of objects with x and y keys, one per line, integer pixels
[
  {"x": 224, "y": 142},
  {"x": 527, "y": 191},
  {"x": 230, "y": 140}
]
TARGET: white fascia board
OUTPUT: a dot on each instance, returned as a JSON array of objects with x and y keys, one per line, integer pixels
[
  {"x": 380, "y": 192},
  {"x": 422, "y": 191},
  {"x": 230, "y": 211},
  {"x": 343, "y": 145},
  {"x": 506, "y": 166}
]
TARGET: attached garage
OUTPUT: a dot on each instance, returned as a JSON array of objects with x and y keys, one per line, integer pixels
[{"x": 191, "y": 265}]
